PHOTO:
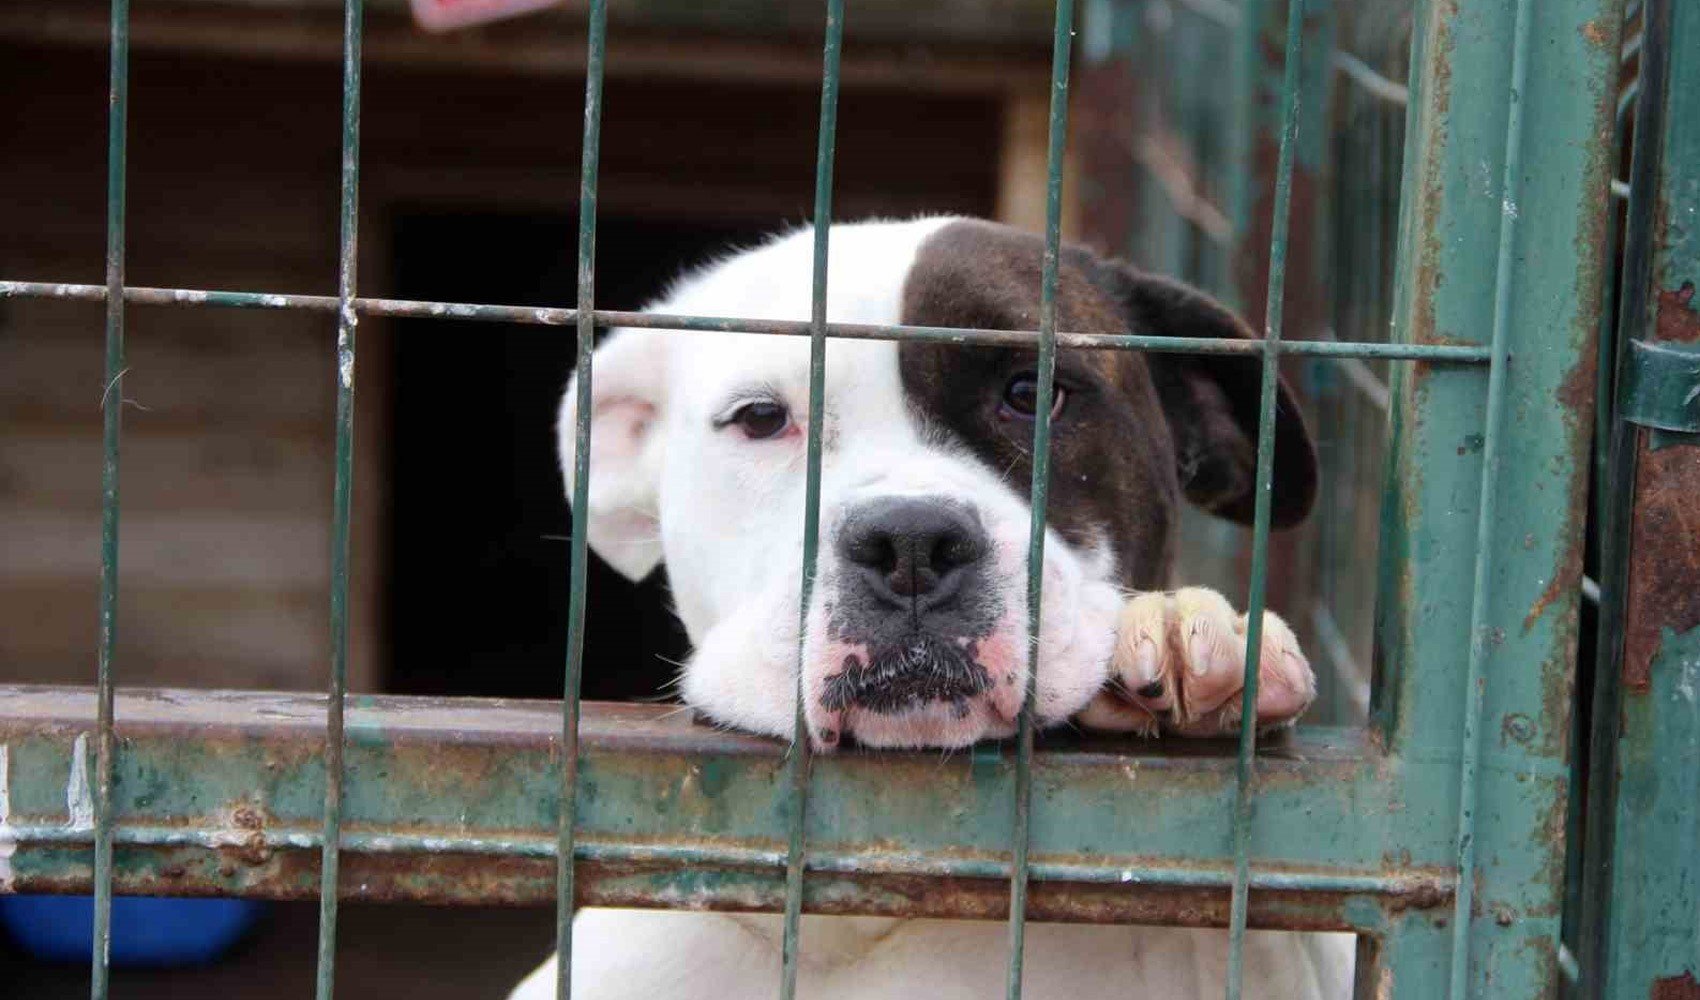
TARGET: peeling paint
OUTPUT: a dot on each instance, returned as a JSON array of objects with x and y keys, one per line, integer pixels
[
  {"x": 79, "y": 803},
  {"x": 8, "y": 838}
]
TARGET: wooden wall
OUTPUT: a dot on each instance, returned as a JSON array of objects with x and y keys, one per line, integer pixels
[{"x": 233, "y": 172}]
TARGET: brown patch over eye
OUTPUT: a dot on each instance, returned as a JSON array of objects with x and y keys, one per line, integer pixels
[{"x": 1021, "y": 398}]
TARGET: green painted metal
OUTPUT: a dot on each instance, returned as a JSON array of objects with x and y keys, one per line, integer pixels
[
  {"x": 1449, "y": 287},
  {"x": 801, "y": 757},
  {"x": 228, "y": 788},
  {"x": 567, "y": 788},
  {"x": 1429, "y": 829},
  {"x": 1661, "y": 386},
  {"x": 1487, "y": 512},
  {"x": 1642, "y": 893},
  {"x": 1274, "y": 311},
  {"x": 1021, "y": 828},
  {"x": 342, "y": 496},
  {"x": 112, "y": 410},
  {"x": 1617, "y": 482},
  {"x": 966, "y": 336},
  {"x": 1653, "y": 938}
]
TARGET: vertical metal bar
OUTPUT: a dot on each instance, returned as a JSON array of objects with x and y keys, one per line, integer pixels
[
  {"x": 1061, "y": 42},
  {"x": 801, "y": 757},
  {"x": 112, "y": 409},
  {"x": 590, "y": 157},
  {"x": 1245, "y": 773},
  {"x": 342, "y": 493},
  {"x": 1470, "y": 749},
  {"x": 1643, "y": 844}
]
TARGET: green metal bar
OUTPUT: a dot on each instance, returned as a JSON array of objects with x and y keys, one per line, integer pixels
[
  {"x": 1455, "y": 280},
  {"x": 1600, "y": 832},
  {"x": 801, "y": 755},
  {"x": 425, "y": 846},
  {"x": 1643, "y": 897},
  {"x": 1062, "y": 39},
  {"x": 436, "y": 786},
  {"x": 1245, "y": 772},
  {"x": 342, "y": 496},
  {"x": 566, "y": 897},
  {"x": 112, "y": 410},
  {"x": 1470, "y": 749},
  {"x": 966, "y": 336}
]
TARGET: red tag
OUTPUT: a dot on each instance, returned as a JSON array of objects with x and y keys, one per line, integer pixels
[{"x": 440, "y": 15}]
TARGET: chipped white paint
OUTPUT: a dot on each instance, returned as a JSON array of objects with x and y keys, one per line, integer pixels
[
  {"x": 345, "y": 369},
  {"x": 1688, "y": 682},
  {"x": 8, "y": 837},
  {"x": 189, "y": 296},
  {"x": 1508, "y": 208},
  {"x": 274, "y": 301},
  {"x": 79, "y": 803}
]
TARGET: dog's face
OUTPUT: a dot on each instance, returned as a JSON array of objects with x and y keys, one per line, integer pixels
[{"x": 916, "y": 631}]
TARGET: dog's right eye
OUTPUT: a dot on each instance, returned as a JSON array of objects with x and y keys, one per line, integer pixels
[{"x": 761, "y": 419}]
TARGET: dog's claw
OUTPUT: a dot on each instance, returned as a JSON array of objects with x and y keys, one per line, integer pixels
[{"x": 1179, "y": 668}]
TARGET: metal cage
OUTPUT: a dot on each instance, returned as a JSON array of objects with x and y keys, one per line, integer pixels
[{"x": 1435, "y": 831}]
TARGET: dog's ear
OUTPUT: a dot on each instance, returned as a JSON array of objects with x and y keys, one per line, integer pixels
[
  {"x": 1211, "y": 402},
  {"x": 628, "y": 388}
]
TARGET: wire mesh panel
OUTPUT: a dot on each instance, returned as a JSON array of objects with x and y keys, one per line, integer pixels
[{"x": 1430, "y": 832}]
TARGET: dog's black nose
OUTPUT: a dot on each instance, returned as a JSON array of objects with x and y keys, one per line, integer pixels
[{"x": 912, "y": 549}]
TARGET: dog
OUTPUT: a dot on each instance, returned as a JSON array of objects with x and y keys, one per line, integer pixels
[{"x": 916, "y": 632}]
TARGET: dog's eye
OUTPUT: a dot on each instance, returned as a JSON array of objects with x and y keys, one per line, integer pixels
[
  {"x": 1021, "y": 397},
  {"x": 761, "y": 419}
]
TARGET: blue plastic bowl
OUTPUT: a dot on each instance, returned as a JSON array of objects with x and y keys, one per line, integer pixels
[{"x": 145, "y": 930}]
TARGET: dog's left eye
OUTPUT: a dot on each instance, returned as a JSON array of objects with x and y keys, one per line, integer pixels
[
  {"x": 761, "y": 419},
  {"x": 1021, "y": 398}
]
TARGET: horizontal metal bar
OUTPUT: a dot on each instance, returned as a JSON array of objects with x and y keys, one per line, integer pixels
[
  {"x": 544, "y": 316},
  {"x": 1373, "y": 83},
  {"x": 840, "y": 863},
  {"x": 221, "y": 791}
]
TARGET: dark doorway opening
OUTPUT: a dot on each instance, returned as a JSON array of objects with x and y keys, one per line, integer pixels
[{"x": 479, "y": 526}]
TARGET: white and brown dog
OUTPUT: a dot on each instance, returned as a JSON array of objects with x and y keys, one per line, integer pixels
[{"x": 916, "y": 635}]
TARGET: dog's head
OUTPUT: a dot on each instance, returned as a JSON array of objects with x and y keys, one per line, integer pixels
[{"x": 916, "y": 633}]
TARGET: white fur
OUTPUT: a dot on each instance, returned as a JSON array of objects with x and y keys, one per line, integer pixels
[
  {"x": 726, "y": 515},
  {"x": 671, "y": 954}
]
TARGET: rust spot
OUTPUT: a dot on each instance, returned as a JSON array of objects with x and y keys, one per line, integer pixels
[
  {"x": 1675, "y": 318},
  {"x": 1664, "y": 575},
  {"x": 244, "y": 840},
  {"x": 1681, "y": 987},
  {"x": 1597, "y": 34}
]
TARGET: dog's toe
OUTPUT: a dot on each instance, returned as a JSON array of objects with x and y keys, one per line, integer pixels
[{"x": 1179, "y": 668}]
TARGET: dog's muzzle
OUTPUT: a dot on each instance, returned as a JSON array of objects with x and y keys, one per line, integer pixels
[{"x": 913, "y": 603}]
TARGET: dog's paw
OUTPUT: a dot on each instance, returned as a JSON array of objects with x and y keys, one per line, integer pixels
[{"x": 1179, "y": 665}]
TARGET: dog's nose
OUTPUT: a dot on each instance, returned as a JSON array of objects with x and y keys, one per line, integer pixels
[{"x": 912, "y": 549}]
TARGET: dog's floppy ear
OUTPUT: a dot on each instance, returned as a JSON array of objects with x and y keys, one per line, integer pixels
[
  {"x": 1211, "y": 402},
  {"x": 628, "y": 389}
]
